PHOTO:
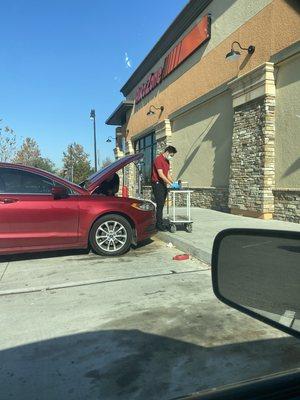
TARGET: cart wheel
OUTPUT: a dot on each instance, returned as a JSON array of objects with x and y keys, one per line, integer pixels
[
  {"x": 173, "y": 228},
  {"x": 189, "y": 228}
]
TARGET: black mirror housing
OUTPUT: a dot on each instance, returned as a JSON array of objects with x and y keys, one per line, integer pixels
[
  {"x": 59, "y": 192},
  {"x": 257, "y": 272}
]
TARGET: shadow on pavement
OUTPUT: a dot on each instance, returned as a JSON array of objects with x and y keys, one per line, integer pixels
[
  {"x": 131, "y": 364},
  {"x": 61, "y": 253},
  {"x": 44, "y": 254},
  {"x": 293, "y": 249},
  {"x": 144, "y": 243}
]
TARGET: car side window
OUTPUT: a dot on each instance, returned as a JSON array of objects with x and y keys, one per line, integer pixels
[
  {"x": 69, "y": 191},
  {"x": 23, "y": 182}
]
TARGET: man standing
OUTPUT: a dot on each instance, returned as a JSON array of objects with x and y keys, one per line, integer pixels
[{"x": 161, "y": 178}]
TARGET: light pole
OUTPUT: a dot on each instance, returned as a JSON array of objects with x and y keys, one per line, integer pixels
[{"x": 93, "y": 117}]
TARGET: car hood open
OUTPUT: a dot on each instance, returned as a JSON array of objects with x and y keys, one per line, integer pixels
[{"x": 98, "y": 177}]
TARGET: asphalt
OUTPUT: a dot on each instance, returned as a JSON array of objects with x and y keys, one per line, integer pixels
[
  {"x": 208, "y": 223},
  {"x": 142, "y": 326}
]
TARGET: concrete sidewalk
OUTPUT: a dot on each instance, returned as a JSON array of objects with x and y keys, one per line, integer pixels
[{"x": 208, "y": 223}]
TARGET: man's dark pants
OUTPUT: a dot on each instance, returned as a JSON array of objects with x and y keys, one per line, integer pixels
[{"x": 160, "y": 192}]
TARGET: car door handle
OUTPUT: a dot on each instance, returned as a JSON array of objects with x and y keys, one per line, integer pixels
[{"x": 8, "y": 200}]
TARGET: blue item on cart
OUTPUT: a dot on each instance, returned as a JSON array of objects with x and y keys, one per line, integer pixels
[{"x": 176, "y": 186}]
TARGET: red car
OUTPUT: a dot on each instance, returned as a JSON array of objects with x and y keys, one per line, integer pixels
[{"x": 40, "y": 211}]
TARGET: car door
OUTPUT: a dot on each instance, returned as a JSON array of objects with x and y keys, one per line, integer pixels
[{"x": 29, "y": 214}]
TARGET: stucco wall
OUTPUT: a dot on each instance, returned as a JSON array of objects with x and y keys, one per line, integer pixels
[
  {"x": 269, "y": 26},
  {"x": 227, "y": 16},
  {"x": 203, "y": 140},
  {"x": 287, "y": 140}
]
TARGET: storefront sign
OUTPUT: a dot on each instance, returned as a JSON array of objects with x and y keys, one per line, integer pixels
[
  {"x": 184, "y": 49},
  {"x": 153, "y": 81}
]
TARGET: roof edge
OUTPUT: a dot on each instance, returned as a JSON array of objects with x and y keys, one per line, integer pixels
[
  {"x": 182, "y": 22},
  {"x": 116, "y": 118}
]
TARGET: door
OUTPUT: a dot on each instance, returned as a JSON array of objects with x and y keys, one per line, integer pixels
[{"x": 29, "y": 214}]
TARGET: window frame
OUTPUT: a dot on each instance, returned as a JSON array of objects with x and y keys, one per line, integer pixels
[
  {"x": 140, "y": 147},
  {"x": 55, "y": 183}
]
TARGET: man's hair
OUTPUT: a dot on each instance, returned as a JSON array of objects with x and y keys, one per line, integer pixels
[{"x": 171, "y": 149}]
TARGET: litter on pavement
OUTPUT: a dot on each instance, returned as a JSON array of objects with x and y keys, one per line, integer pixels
[{"x": 181, "y": 257}]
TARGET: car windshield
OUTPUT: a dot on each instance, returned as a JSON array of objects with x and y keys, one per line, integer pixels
[{"x": 132, "y": 134}]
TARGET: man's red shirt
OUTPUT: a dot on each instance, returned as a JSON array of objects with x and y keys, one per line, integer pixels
[{"x": 160, "y": 162}]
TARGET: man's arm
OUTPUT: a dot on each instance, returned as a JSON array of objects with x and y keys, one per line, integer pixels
[
  {"x": 164, "y": 178},
  {"x": 170, "y": 178}
]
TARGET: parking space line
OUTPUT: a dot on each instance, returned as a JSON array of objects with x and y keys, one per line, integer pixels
[
  {"x": 5, "y": 269},
  {"x": 93, "y": 282}
]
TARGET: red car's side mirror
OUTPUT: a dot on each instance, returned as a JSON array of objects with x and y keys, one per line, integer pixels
[{"x": 59, "y": 192}]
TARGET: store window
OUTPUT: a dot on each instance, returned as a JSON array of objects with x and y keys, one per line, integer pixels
[{"x": 147, "y": 146}]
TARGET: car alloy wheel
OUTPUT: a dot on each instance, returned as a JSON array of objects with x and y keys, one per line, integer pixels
[{"x": 111, "y": 235}]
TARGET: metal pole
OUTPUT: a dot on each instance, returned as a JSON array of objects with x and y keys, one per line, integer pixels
[{"x": 95, "y": 142}]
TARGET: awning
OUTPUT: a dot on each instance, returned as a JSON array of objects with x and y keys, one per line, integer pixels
[{"x": 118, "y": 117}]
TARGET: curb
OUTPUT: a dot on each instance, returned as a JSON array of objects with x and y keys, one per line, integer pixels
[
  {"x": 186, "y": 247},
  {"x": 71, "y": 285}
]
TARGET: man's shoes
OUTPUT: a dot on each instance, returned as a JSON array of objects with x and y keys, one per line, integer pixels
[{"x": 161, "y": 228}]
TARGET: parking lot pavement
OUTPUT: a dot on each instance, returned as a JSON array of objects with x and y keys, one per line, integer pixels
[
  {"x": 35, "y": 272},
  {"x": 141, "y": 326}
]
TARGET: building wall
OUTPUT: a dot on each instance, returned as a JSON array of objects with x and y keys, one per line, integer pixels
[
  {"x": 227, "y": 16},
  {"x": 287, "y": 140},
  {"x": 287, "y": 205},
  {"x": 203, "y": 139},
  {"x": 238, "y": 149},
  {"x": 270, "y": 26}
]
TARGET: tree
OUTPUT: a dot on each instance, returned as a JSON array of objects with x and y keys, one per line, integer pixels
[
  {"x": 46, "y": 164},
  {"x": 76, "y": 162},
  {"x": 30, "y": 154},
  {"x": 106, "y": 162},
  {"x": 8, "y": 143}
]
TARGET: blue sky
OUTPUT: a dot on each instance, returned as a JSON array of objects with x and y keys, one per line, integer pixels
[{"x": 60, "y": 58}]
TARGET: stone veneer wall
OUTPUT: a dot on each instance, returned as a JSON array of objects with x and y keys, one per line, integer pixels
[
  {"x": 147, "y": 193},
  {"x": 287, "y": 205},
  {"x": 161, "y": 145},
  {"x": 252, "y": 173},
  {"x": 130, "y": 171},
  {"x": 119, "y": 154},
  {"x": 213, "y": 198}
]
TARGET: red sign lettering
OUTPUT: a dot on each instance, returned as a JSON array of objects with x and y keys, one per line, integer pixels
[
  {"x": 184, "y": 49},
  {"x": 151, "y": 83}
]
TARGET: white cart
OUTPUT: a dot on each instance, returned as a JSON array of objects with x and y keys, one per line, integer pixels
[{"x": 179, "y": 216}]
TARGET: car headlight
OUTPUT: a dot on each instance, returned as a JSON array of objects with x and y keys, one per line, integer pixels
[{"x": 144, "y": 206}]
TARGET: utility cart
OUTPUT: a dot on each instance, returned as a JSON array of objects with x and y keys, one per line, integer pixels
[{"x": 179, "y": 210}]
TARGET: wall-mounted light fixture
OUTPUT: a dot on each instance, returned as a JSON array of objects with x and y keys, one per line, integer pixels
[
  {"x": 234, "y": 54},
  {"x": 151, "y": 112},
  {"x": 109, "y": 139}
]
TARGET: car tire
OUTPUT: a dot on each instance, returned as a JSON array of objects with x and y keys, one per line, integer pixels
[
  {"x": 173, "y": 228},
  {"x": 111, "y": 235},
  {"x": 189, "y": 228}
]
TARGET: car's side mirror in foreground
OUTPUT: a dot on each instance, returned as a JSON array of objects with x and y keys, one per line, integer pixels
[
  {"x": 59, "y": 192},
  {"x": 258, "y": 272}
]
